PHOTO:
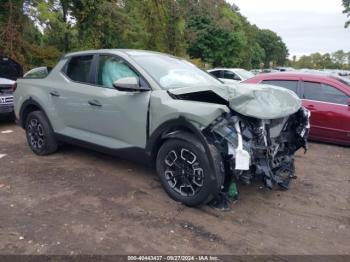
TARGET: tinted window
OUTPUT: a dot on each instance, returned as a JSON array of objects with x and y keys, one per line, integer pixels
[
  {"x": 111, "y": 69},
  {"x": 216, "y": 73},
  {"x": 324, "y": 93},
  {"x": 78, "y": 68},
  {"x": 231, "y": 75},
  {"x": 289, "y": 84}
]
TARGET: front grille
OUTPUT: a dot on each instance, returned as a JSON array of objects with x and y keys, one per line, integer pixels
[{"x": 6, "y": 100}]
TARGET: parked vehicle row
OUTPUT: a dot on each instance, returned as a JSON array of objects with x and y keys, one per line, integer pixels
[
  {"x": 202, "y": 135},
  {"x": 326, "y": 96},
  {"x": 6, "y": 97},
  {"x": 9, "y": 71},
  {"x": 324, "y": 92}
]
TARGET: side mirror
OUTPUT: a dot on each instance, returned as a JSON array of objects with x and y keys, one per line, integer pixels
[{"x": 129, "y": 84}]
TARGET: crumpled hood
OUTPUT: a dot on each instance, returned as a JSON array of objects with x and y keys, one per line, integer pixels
[{"x": 254, "y": 100}]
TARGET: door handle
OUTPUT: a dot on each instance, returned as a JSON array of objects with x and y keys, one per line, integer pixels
[
  {"x": 94, "y": 103},
  {"x": 54, "y": 93}
]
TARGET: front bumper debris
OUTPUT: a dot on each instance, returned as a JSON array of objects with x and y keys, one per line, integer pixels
[{"x": 254, "y": 148}]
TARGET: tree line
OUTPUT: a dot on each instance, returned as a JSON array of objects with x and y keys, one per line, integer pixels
[
  {"x": 38, "y": 32},
  {"x": 336, "y": 60}
]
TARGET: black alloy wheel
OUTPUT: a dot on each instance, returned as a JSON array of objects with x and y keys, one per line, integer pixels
[
  {"x": 185, "y": 173},
  {"x": 40, "y": 136}
]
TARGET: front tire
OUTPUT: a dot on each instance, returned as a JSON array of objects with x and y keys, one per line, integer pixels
[
  {"x": 40, "y": 135},
  {"x": 185, "y": 173}
]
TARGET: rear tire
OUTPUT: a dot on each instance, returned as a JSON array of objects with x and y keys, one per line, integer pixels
[
  {"x": 185, "y": 173},
  {"x": 40, "y": 135}
]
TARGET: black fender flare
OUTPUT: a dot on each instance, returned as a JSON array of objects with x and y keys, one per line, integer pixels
[
  {"x": 177, "y": 128},
  {"x": 27, "y": 103}
]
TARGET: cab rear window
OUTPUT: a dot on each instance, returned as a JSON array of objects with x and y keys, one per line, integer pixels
[{"x": 78, "y": 68}]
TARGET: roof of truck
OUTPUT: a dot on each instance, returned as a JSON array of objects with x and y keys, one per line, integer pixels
[{"x": 131, "y": 52}]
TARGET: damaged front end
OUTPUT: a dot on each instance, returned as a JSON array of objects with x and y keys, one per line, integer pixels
[
  {"x": 253, "y": 147},
  {"x": 257, "y": 137}
]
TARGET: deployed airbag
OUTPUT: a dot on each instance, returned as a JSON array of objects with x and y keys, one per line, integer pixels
[{"x": 259, "y": 101}]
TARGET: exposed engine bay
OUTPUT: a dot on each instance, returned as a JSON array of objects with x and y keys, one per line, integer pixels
[
  {"x": 252, "y": 147},
  {"x": 257, "y": 137}
]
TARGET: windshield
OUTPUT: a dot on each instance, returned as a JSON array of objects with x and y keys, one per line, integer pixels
[
  {"x": 245, "y": 74},
  {"x": 170, "y": 72}
]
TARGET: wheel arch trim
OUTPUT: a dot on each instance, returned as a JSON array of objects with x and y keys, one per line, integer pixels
[
  {"x": 27, "y": 103},
  {"x": 177, "y": 128}
]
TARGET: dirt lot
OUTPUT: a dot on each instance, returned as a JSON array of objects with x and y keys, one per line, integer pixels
[{"x": 82, "y": 202}]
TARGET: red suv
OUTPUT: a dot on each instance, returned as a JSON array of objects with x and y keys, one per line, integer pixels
[{"x": 326, "y": 96}]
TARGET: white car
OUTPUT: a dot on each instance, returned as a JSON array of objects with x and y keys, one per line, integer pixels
[
  {"x": 231, "y": 75},
  {"x": 6, "y": 97}
]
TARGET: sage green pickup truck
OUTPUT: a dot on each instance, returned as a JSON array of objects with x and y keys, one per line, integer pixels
[{"x": 200, "y": 134}]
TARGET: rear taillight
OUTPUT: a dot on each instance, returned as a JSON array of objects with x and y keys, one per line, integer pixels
[{"x": 14, "y": 86}]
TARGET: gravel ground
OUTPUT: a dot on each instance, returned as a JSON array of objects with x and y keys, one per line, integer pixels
[{"x": 82, "y": 202}]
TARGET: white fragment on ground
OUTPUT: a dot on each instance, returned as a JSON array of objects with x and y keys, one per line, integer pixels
[
  {"x": 2, "y": 155},
  {"x": 6, "y": 131},
  {"x": 21, "y": 238}
]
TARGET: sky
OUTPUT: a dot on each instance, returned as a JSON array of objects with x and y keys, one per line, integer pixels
[{"x": 306, "y": 26}]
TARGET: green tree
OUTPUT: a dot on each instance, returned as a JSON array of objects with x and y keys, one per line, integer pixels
[
  {"x": 339, "y": 58},
  {"x": 336, "y": 60},
  {"x": 346, "y": 4},
  {"x": 175, "y": 28},
  {"x": 275, "y": 49},
  {"x": 327, "y": 61},
  {"x": 254, "y": 54},
  {"x": 317, "y": 60},
  {"x": 305, "y": 62},
  {"x": 53, "y": 16},
  {"x": 37, "y": 32},
  {"x": 19, "y": 38},
  {"x": 212, "y": 44}
]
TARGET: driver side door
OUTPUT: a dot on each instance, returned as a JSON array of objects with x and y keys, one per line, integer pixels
[
  {"x": 91, "y": 110},
  {"x": 119, "y": 117}
]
